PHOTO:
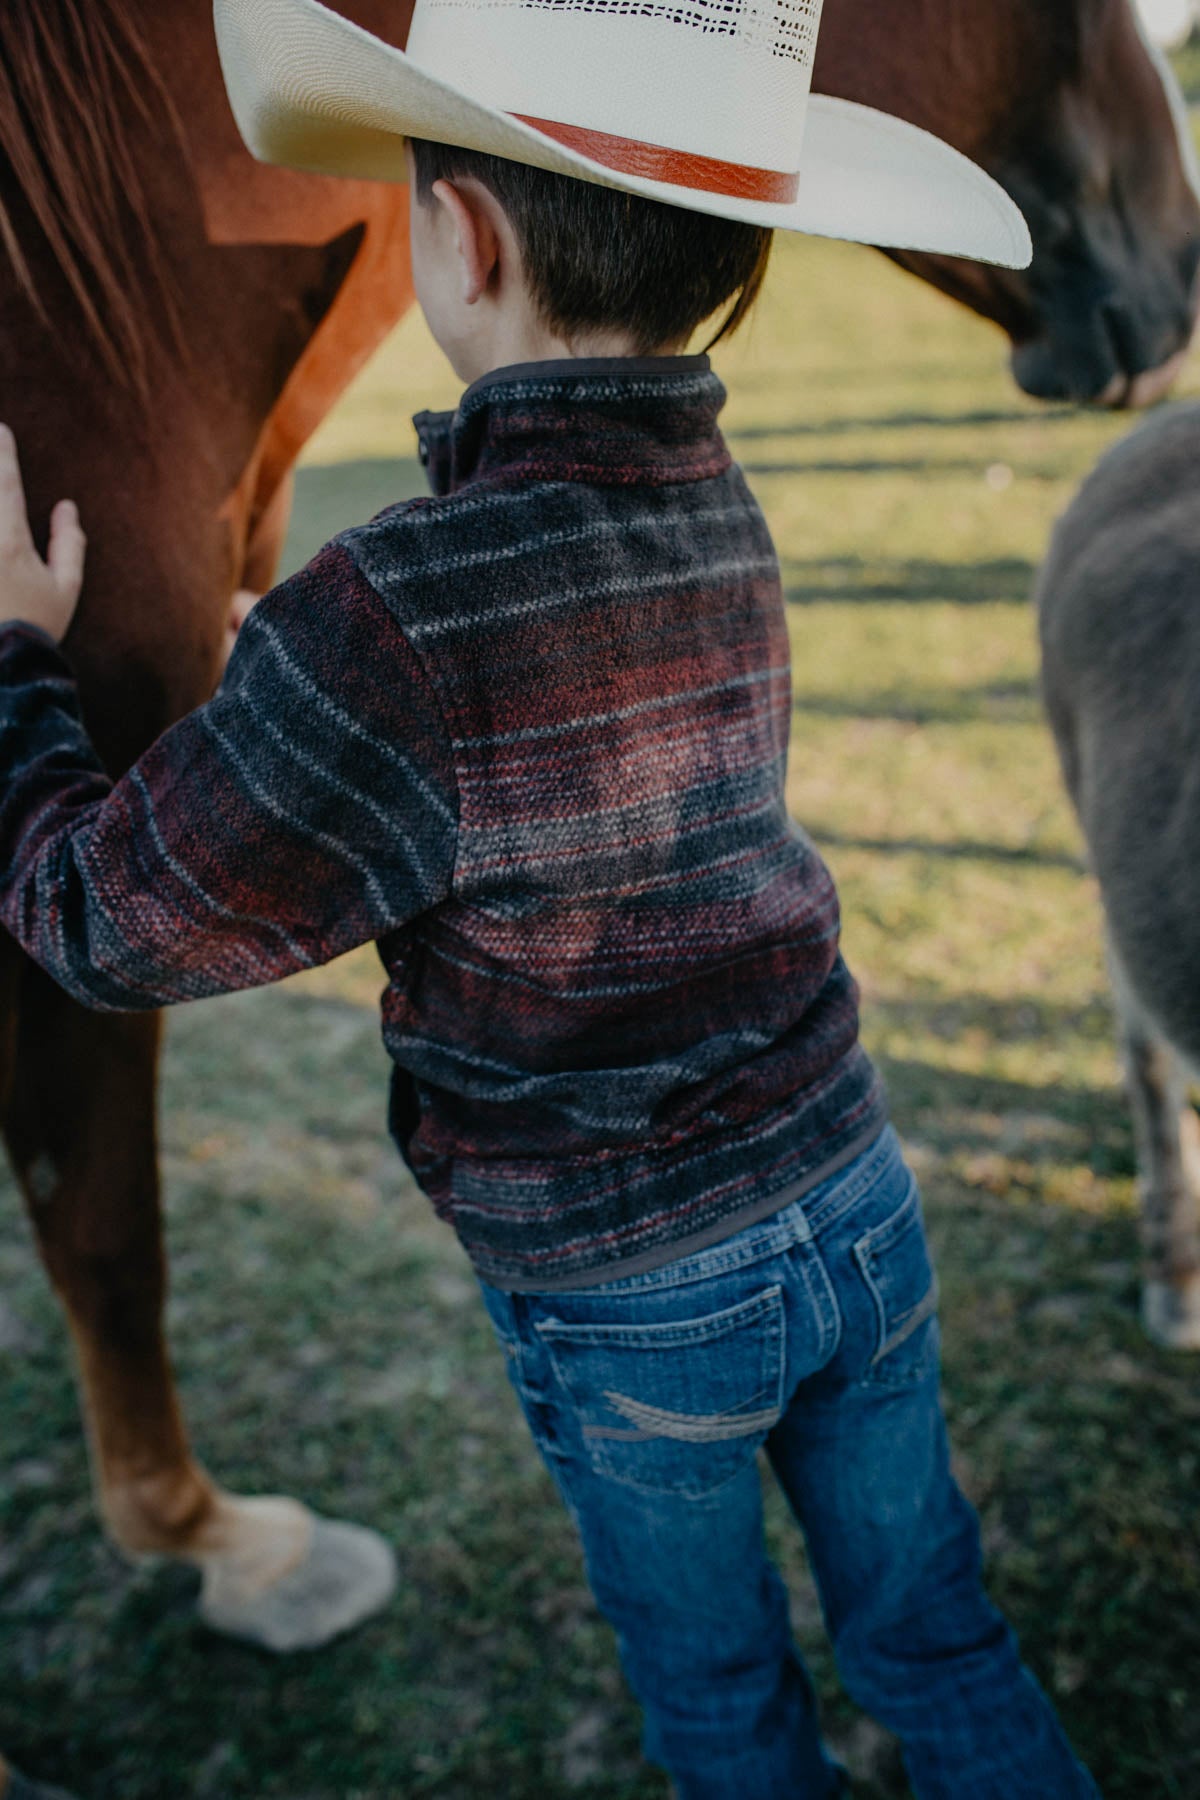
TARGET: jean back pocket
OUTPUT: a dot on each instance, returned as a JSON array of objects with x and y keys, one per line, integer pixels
[
  {"x": 675, "y": 1407},
  {"x": 894, "y": 1262}
]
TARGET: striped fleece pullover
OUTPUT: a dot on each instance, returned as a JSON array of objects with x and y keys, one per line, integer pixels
[{"x": 529, "y": 736}]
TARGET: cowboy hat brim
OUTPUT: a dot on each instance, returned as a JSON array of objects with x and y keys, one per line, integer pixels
[{"x": 312, "y": 91}]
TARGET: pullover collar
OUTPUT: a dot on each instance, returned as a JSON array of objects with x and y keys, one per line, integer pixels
[{"x": 613, "y": 421}]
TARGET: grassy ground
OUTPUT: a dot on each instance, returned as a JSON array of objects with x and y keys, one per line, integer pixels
[
  {"x": 328, "y": 1337},
  {"x": 1187, "y": 66}
]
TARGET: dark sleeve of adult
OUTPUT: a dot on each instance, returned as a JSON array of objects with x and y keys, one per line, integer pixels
[{"x": 309, "y": 807}]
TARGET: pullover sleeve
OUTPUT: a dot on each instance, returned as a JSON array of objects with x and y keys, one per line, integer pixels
[{"x": 309, "y": 807}]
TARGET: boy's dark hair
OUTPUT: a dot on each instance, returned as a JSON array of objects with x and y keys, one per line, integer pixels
[{"x": 600, "y": 260}]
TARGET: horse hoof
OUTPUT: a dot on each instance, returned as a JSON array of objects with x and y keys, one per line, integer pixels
[
  {"x": 345, "y": 1574},
  {"x": 18, "y": 1788},
  {"x": 1171, "y": 1315}
]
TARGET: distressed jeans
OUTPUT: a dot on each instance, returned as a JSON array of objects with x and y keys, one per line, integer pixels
[{"x": 813, "y": 1335}]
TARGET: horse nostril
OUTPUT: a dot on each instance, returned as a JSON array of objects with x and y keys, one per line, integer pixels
[{"x": 1142, "y": 345}]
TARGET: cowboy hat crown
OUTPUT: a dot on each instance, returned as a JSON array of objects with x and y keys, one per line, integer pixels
[{"x": 705, "y": 104}]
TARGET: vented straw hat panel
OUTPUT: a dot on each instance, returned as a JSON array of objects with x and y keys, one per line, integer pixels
[{"x": 727, "y": 79}]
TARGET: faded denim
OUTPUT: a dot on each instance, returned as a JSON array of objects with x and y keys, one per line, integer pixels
[{"x": 812, "y": 1335}]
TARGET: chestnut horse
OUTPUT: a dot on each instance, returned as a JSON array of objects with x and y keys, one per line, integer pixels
[
  {"x": 1068, "y": 105},
  {"x": 175, "y": 420}
]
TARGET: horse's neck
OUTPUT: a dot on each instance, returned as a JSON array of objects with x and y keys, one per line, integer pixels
[{"x": 960, "y": 70}]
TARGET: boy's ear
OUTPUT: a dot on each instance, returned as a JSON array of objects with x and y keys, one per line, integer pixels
[{"x": 474, "y": 216}]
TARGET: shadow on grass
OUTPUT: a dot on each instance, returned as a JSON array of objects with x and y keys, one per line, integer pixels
[
  {"x": 914, "y": 1083},
  {"x": 852, "y": 581},
  {"x": 933, "y": 467},
  {"x": 955, "y": 850},
  {"x": 903, "y": 421},
  {"x": 991, "y": 703},
  {"x": 1021, "y": 1020}
]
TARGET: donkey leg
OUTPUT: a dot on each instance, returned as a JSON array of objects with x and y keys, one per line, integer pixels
[
  {"x": 80, "y": 1127},
  {"x": 1167, "y": 1136}
]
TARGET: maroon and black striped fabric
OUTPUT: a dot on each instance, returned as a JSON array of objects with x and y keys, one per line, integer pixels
[{"x": 529, "y": 735}]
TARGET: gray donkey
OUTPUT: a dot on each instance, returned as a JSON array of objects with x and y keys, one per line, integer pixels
[{"x": 1119, "y": 607}]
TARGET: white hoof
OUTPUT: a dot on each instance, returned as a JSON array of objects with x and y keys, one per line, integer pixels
[
  {"x": 1171, "y": 1315},
  {"x": 343, "y": 1575}
]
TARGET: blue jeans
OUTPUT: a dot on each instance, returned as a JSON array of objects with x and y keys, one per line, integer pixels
[{"x": 813, "y": 1335}]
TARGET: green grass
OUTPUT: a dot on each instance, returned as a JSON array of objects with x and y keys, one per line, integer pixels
[
  {"x": 1187, "y": 67},
  {"x": 328, "y": 1337}
]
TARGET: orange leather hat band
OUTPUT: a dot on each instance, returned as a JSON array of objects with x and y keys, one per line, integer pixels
[{"x": 681, "y": 168}]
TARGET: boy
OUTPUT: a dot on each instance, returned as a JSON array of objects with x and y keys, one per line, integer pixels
[{"x": 529, "y": 736}]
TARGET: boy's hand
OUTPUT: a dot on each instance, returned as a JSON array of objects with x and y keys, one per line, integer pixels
[
  {"x": 33, "y": 591},
  {"x": 240, "y": 608}
]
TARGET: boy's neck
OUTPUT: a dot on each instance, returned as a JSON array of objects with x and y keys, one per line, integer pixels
[{"x": 519, "y": 336}]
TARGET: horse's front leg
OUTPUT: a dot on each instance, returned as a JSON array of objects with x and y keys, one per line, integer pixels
[{"x": 80, "y": 1125}]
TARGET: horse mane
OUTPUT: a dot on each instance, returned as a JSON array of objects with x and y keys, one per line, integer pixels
[{"x": 73, "y": 75}]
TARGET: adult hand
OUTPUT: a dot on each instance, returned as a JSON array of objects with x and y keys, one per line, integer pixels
[{"x": 32, "y": 591}]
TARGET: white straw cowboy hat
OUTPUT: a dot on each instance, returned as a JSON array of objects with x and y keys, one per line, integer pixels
[{"x": 704, "y": 104}]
